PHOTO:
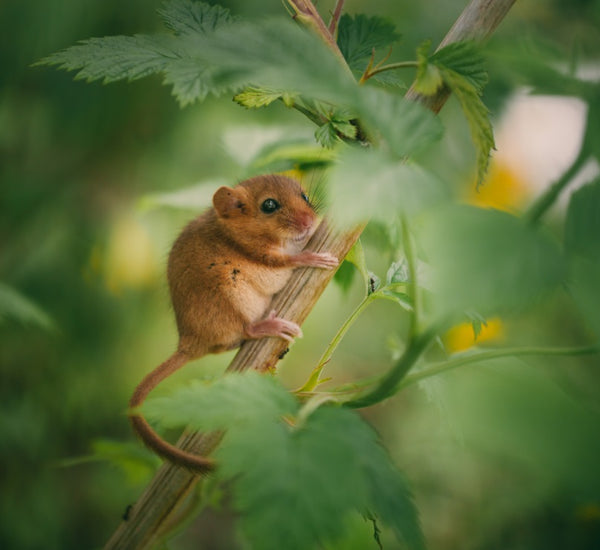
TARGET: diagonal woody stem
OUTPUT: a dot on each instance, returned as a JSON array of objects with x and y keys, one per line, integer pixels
[
  {"x": 335, "y": 17},
  {"x": 154, "y": 510},
  {"x": 306, "y": 13}
]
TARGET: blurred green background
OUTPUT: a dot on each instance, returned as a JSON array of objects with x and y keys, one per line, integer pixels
[{"x": 500, "y": 456}]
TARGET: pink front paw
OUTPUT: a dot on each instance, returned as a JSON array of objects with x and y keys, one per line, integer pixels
[
  {"x": 316, "y": 259},
  {"x": 274, "y": 326}
]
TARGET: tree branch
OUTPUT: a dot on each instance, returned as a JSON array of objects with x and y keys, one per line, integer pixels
[
  {"x": 477, "y": 21},
  {"x": 151, "y": 514}
]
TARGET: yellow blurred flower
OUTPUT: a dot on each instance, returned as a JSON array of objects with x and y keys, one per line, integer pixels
[
  {"x": 128, "y": 260},
  {"x": 503, "y": 189},
  {"x": 462, "y": 337}
]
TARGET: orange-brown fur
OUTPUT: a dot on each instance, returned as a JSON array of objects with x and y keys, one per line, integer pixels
[{"x": 223, "y": 270}]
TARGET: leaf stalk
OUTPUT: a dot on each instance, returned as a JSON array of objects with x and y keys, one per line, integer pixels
[
  {"x": 388, "y": 385},
  {"x": 389, "y": 67},
  {"x": 314, "y": 378},
  {"x": 468, "y": 358},
  {"x": 549, "y": 197}
]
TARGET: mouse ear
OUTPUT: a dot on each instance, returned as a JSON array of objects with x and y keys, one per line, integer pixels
[{"x": 229, "y": 202}]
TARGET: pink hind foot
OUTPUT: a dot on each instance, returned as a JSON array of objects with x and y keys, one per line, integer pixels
[{"x": 273, "y": 326}]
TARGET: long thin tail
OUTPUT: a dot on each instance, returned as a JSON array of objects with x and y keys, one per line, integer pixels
[{"x": 195, "y": 463}]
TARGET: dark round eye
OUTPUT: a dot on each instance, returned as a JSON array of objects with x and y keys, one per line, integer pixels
[
  {"x": 305, "y": 197},
  {"x": 269, "y": 206}
]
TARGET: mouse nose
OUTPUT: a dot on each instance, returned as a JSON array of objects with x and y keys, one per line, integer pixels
[{"x": 305, "y": 221}]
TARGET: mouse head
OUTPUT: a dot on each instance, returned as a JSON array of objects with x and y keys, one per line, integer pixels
[{"x": 268, "y": 210}]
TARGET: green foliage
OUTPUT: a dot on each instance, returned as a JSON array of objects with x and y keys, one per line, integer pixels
[
  {"x": 582, "y": 226},
  {"x": 487, "y": 261},
  {"x": 465, "y": 59},
  {"x": 360, "y": 35},
  {"x": 388, "y": 187},
  {"x": 136, "y": 463},
  {"x": 318, "y": 466},
  {"x": 188, "y": 17},
  {"x": 115, "y": 58},
  {"x": 591, "y": 140},
  {"x": 429, "y": 79},
  {"x": 14, "y": 306},
  {"x": 255, "y": 98},
  {"x": 517, "y": 403},
  {"x": 460, "y": 66},
  {"x": 338, "y": 124},
  {"x": 406, "y": 127},
  {"x": 356, "y": 258},
  {"x": 582, "y": 244},
  {"x": 210, "y": 53}
]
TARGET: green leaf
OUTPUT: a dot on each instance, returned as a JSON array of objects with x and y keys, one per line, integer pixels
[
  {"x": 137, "y": 463},
  {"x": 400, "y": 298},
  {"x": 591, "y": 141},
  {"x": 428, "y": 79},
  {"x": 192, "y": 81},
  {"x": 334, "y": 122},
  {"x": 398, "y": 272},
  {"x": 277, "y": 54},
  {"x": 388, "y": 495},
  {"x": 357, "y": 258},
  {"x": 326, "y": 135},
  {"x": 464, "y": 58},
  {"x": 115, "y": 58},
  {"x": 487, "y": 261},
  {"x": 14, "y": 306},
  {"x": 359, "y": 35},
  {"x": 582, "y": 226},
  {"x": 188, "y": 17},
  {"x": 406, "y": 126},
  {"x": 477, "y": 116},
  {"x": 233, "y": 401},
  {"x": 391, "y": 80},
  {"x": 213, "y": 56},
  {"x": 526, "y": 415},
  {"x": 344, "y": 276},
  {"x": 582, "y": 244},
  {"x": 477, "y": 322},
  {"x": 344, "y": 128},
  {"x": 255, "y": 98},
  {"x": 583, "y": 277},
  {"x": 288, "y": 154},
  {"x": 315, "y": 476},
  {"x": 178, "y": 57},
  {"x": 462, "y": 69},
  {"x": 312, "y": 469},
  {"x": 369, "y": 184}
]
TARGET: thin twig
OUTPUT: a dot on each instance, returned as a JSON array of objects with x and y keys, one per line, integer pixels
[
  {"x": 335, "y": 18},
  {"x": 306, "y": 13}
]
